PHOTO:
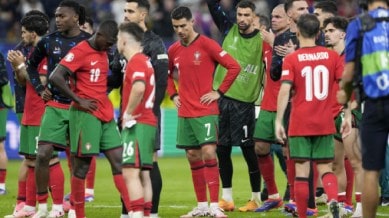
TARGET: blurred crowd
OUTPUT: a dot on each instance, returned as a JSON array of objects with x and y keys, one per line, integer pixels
[{"x": 11, "y": 11}]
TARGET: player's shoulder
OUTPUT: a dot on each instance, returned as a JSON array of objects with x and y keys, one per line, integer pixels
[
  {"x": 205, "y": 39},
  {"x": 139, "y": 58},
  {"x": 151, "y": 36},
  {"x": 173, "y": 47},
  {"x": 152, "y": 43}
]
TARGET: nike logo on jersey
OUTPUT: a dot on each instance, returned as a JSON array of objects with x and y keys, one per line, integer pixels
[
  {"x": 208, "y": 138},
  {"x": 93, "y": 63},
  {"x": 244, "y": 140},
  {"x": 125, "y": 159}
]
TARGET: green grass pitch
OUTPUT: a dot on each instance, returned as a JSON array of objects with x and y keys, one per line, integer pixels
[{"x": 177, "y": 194}]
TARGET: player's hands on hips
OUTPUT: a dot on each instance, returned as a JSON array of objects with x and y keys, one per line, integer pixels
[
  {"x": 177, "y": 101},
  {"x": 346, "y": 126},
  {"x": 209, "y": 97},
  {"x": 280, "y": 132},
  {"x": 46, "y": 95},
  {"x": 87, "y": 104}
]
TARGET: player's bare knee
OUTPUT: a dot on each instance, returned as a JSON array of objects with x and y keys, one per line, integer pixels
[
  {"x": 262, "y": 148},
  {"x": 81, "y": 171},
  {"x": 44, "y": 153}
]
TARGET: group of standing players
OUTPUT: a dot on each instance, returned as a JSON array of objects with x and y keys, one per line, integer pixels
[{"x": 217, "y": 90}]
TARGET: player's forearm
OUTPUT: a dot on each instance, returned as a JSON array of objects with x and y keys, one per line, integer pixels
[
  {"x": 134, "y": 100},
  {"x": 33, "y": 75},
  {"x": 57, "y": 78},
  {"x": 21, "y": 76},
  {"x": 219, "y": 16},
  {"x": 282, "y": 102},
  {"x": 347, "y": 79},
  {"x": 233, "y": 70},
  {"x": 161, "y": 80},
  {"x": 171, "y": 87}
]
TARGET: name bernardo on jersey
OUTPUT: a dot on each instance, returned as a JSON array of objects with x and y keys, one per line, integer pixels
[{"x": 313, "y": 57}]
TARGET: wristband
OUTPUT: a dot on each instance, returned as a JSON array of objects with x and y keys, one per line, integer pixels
[{"x": 20, "y": 66}]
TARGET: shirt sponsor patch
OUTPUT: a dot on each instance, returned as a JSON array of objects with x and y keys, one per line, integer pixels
[
  {"x": 162, "y": 56},
  {"x": 138, "y": 74},
  {"x": 69, "y": 57},
  {"x": 222, "y": 53},
  {"x": 285, "y": 72}
]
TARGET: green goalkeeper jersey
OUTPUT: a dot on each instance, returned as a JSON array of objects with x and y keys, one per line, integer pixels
[{"x": 248, "y": 52}]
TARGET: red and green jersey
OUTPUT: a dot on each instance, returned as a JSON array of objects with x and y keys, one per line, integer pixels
[
  {"x": 195, "y": 64},
  {"x": 34, "y": 106},
  {"x": 269, "y": 100},
  {"x": 312, "y": 71},
  {"x": 90, "y": 70},
  {"x": 139, "y": 69},
  {"x": 336, "y": 107}
]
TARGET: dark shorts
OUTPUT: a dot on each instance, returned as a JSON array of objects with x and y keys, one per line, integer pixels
[
  {"x": 236, "y": 123},
  {"x": 374, "y": 130},
  {"x": 157, "y": 144}
]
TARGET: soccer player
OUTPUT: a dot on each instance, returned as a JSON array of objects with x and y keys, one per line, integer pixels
[
  {"x": 90, "y": 178},
  {"x": 139, "y": 122},
  {"x": 264, "y": 126},
  {"x": 324, "y": 10},
  {"x": 374, "y": 125},
  {"x": 348, "y": 145},
  {"x": 54, "y": 124},
  {"x": 19, "y": 93},
  {"x": 194, "y": 58},
  {"x": 91, "y": 122},
  {"x": 237, "y": 110},
  {"x": 33, "y": 28},
  {"x": 309, "y": 139},
  {"x": 3, "y": 121},
  {"x": 285, "y": 43},
  {"x": 137, "y": 11}
]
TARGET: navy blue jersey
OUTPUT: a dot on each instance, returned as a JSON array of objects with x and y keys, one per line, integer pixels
[
  {"x": 53, "y": 47},
  {"x": 20, "y": 90}
]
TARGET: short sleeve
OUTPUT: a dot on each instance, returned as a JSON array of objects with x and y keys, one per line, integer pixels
[
  {"x": 287, "y": 74},
  {"x": 74, "y": 59}
]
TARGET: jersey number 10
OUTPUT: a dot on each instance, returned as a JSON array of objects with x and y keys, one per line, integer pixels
[{"x": 316, "y": 82}]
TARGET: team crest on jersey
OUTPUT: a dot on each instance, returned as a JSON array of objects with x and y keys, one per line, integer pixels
[
  {"x": 88, "y": 146},
  {"x": 197, "y": 56},
  {"x": 69, "y": 57}
]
